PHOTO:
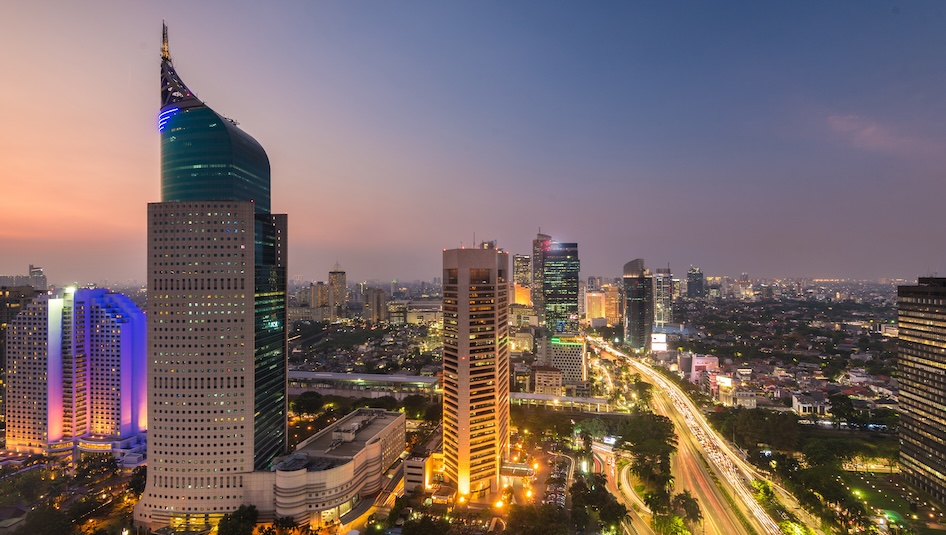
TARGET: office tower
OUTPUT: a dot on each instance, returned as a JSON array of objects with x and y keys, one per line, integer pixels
[
  {"x": 76, "y": 374},
  {"x": 37, "y": 278},
  {"x": 663, "y": 296},
  {"x": 696, "y": 286},
  {"x": 594, "y": 284},
  {"x": 560, "y": 286},
  {"x": 339, "y": 288},
  {"x": 638, "y": 305},
  {"x": 540, "y": 245},
  {"x": 217, "y": 304},
  {"x": 612, "y": 304},
  {"x": 522, "y": 269},
  {"x": 922, "y": 379},
  {"x": 475, "y": 367},
  {"x": 376, "y": 307}
]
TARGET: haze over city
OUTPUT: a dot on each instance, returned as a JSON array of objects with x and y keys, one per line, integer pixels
[{"x": 774, "y": 139}]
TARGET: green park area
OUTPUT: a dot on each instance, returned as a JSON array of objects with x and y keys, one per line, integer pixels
[{"x": 883, "y": 492}]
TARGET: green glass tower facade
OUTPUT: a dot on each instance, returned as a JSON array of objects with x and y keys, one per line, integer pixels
[{"x": 560, "y": 267}]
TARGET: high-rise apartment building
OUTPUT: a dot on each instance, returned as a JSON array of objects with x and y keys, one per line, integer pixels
[
  {"x": 475, "y": 367},
  {"x": 638, "y": 305},
  {"x": 540, "y": 245},
  {"x": 217, "y": 305},
  {"x": 922, "y": 380},
  {"x": 560, "y": 286},
  {"x": 696, "y": 285},
  {"x": 13, "y": 299},
  {"x": 76, "y": 374},
  {"x": 338, "y": 285},
  {"x": 663, "y": 296}
]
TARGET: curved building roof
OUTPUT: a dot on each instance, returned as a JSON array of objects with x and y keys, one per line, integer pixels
[{"x": 205, "y": 156}]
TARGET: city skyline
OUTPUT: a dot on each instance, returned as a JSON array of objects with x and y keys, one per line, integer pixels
[{"x": 779, "y": 140}]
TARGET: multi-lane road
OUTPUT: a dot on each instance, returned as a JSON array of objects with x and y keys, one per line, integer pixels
[{"x": 700, "y": 446}]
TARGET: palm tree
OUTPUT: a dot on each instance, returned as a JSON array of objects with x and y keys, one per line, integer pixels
[{"x": 688, "y": 507}]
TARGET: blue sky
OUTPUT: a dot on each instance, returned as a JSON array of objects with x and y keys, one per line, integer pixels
[{"x": 780, "y": 139}]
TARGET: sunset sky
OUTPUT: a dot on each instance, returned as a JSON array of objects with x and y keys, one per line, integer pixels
[{"x": 774, "y": 138}]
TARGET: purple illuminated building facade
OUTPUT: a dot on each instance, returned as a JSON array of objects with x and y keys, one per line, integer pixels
[{"x": 76, "y": 376}]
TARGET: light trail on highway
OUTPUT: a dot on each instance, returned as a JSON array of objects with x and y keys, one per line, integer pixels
[{"x": 728, "y": 464}]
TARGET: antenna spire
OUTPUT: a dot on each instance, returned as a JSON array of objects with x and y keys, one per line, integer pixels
[{"x": 165, "y": 54}]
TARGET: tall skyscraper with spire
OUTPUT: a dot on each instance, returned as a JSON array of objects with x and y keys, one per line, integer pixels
[{"x": 217, "y": 300}]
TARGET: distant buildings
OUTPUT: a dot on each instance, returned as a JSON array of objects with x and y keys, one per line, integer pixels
[
  {"x": 76, "y": 376},
  {"x": 638, "y": 305},
  {"x": 36, "y": 279},
  {"x": 475, "y": 367},
  {"x": 338, "y": 286},
  {"x": 376, "y": 307},
  {"x": 540, "y": 245},
  {"x": 217, "y": 306},
  {"x": 696, "y": 286},
  {"x": 663, "y": 297},
  {"x": 922, "y": 380}
]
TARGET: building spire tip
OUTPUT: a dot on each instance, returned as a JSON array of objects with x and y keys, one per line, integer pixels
[{"x": 165, "y": 54}]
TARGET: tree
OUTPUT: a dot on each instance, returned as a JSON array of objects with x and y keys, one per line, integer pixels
[
  {"x": 612, "y": 513},
  {"x": 426, "y": 525},
  {"x": 45, "y": 519},
  {"x": 138, "y": 481},
  {"x": 842, "y": 408},
  {"x": 308, "y": 403},
  {"x": 434, "y": 413},
  {"x": 96, "y": 467},
  {"x": 537, "y": 520},
  {"x": 285, "y": 524},
  {"x": 240, "y": 522},
  {"x": 687, "y": 506},
  {"x": 414, "y": 406}
]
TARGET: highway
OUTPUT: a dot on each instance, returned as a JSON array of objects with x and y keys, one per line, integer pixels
[
  {"x": 690, "y": 473},
  {"x": 726, "y": 463}
]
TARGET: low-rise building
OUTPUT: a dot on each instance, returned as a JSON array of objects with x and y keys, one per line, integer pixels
[{"x": 330, "y": 472}]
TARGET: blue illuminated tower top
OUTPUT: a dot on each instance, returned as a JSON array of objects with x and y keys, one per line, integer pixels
[{"x": 204, "y": 155}]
